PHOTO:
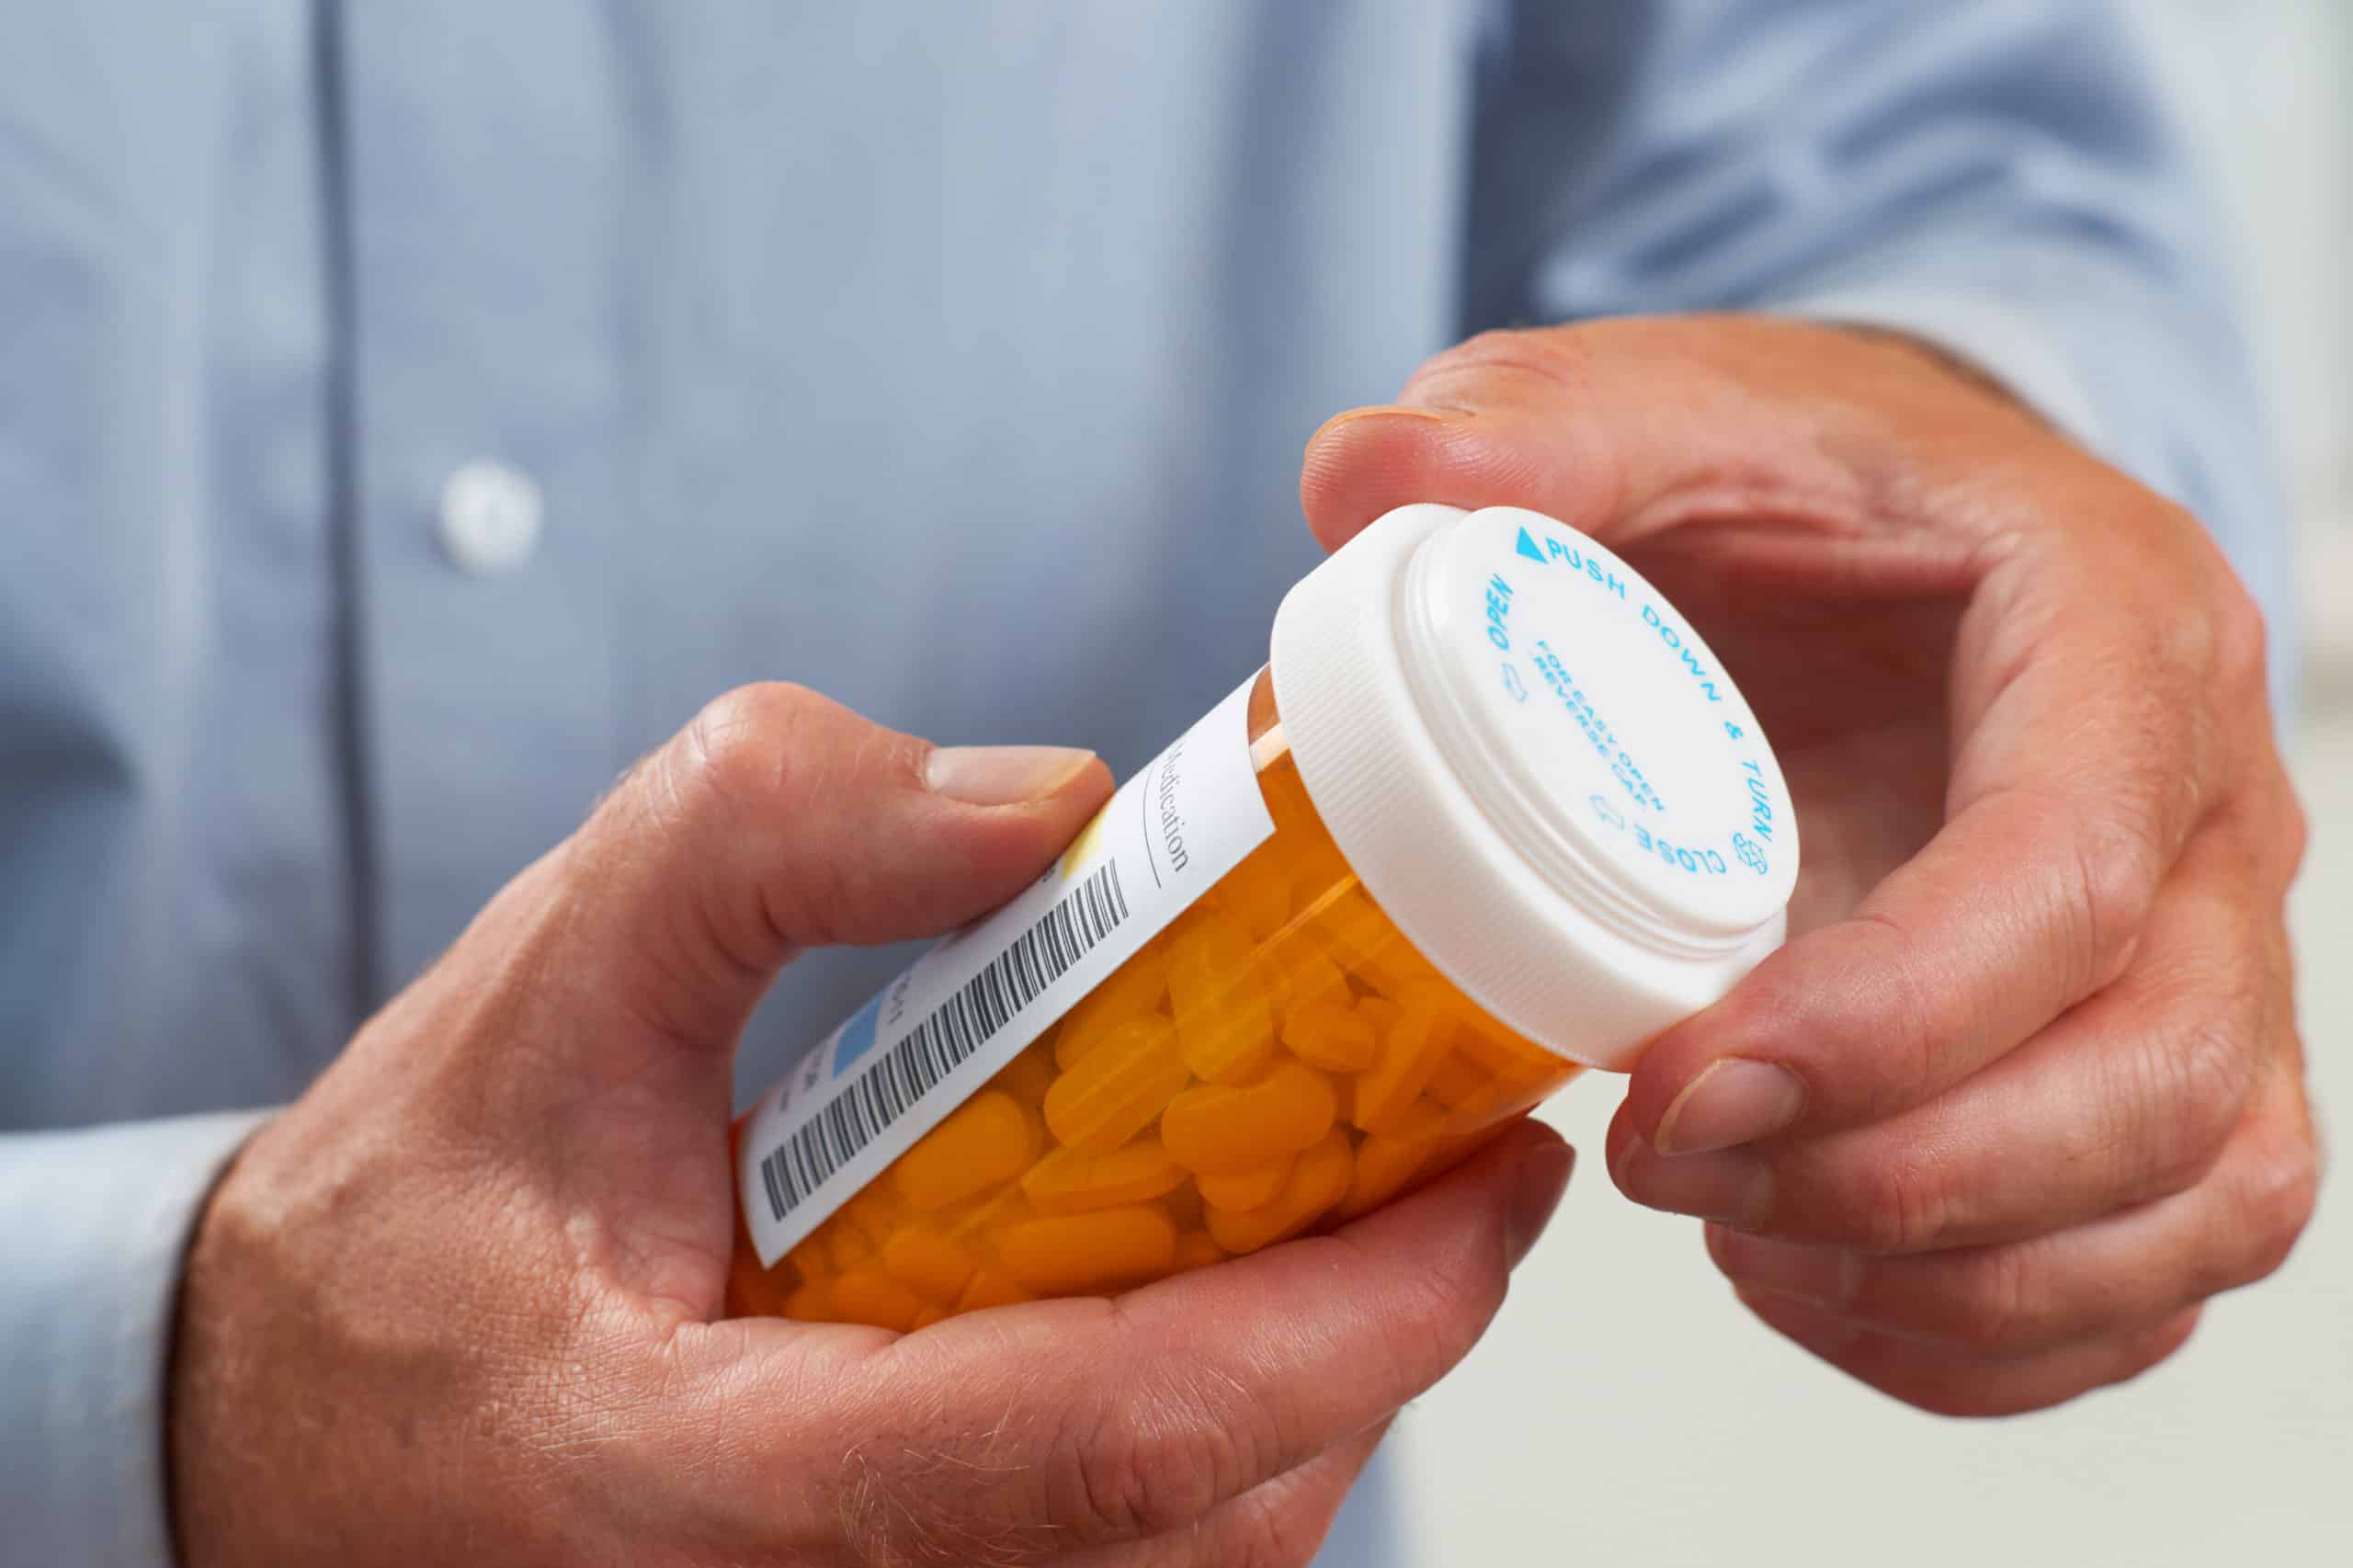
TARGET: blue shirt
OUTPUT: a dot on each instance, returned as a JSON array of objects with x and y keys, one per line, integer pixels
[{"x": 412, "y": 413}]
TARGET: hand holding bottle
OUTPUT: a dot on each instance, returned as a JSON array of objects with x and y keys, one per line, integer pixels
[{"x": 462, "y": 1299}]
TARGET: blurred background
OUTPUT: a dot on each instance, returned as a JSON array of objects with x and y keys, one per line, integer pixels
[{"x": 1625, "y": 1410}]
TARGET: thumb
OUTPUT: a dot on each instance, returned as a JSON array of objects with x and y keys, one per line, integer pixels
[
  {"x": 779, "y": 820},
  {"x": 1621, "y": 428},
  {"x": 589, "y": 1017}
]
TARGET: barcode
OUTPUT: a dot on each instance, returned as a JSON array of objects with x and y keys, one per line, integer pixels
[{"x": 933, "y": 1047}]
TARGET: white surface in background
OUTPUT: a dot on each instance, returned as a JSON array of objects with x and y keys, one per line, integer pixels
[{"x": 1626, "y": 1411}]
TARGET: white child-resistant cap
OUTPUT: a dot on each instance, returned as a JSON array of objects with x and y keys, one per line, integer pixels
[{"x": 1538, "y": 770}]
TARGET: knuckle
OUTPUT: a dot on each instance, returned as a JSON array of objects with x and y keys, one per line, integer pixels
[
  {"x": 2117, "y": 868},
  {"x": 1993, "y": 1307},
  {"x": 2195, "y": 1087},
  {"x": 2241, "y": 637},
  {"x": 2277, "y": 1197},
  {"x": 2295, "y": 828},
  {"x": 1113, "y": 1497},
  {"x": 1154, "y": 1460},
  {"x": 738, "y": 751}
]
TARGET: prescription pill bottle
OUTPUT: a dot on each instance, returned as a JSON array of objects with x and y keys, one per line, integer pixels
[{"x": 1492, "y": 812}]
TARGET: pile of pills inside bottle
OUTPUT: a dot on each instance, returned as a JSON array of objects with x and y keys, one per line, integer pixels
[
  {"x": 1275, "y": 1056},
  {"x": 1209, "y": 1030}
]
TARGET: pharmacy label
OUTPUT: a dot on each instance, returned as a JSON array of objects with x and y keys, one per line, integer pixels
[{"x": 895, "y": 1068}]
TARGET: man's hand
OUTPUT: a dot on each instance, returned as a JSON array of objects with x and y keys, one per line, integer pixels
[
  {"x": 462, "y": 1302},
  {"x": 2024, "y": 1090}
]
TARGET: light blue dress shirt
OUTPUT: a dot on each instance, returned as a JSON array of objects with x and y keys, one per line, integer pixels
[{"x": 410, "y": 413}]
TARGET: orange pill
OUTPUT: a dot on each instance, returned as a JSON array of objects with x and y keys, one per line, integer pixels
[
  {"x": 1028, "y": 1076},
  {"x": 1492, "y": 1101},
  {"x": 1352, "y": 925},
  {"x": 1117, "y": 1088},
  {"x": 1507, "y": 1057},
  {"x": 1295, "y": 819},
  {"x": 810, "y": 1259},
  {"x": 1255, "y": 894},
  {"x": 928, "y": 1262},
  {"x": 1387, "y": 1163},
  {"x": 1424, "y": 1120},
  {"x": 991, "y": 1287},
  {"x": 869, "y": 1295},
  {"x": 1069, "y": 1254},
  {"x": 1384, "y": 1166},
  {"x": 1223, "y": 1021},
  {"x": 988, "y": 1139},
  {"x": 812, "y": 1303},
  {"x": 1410, "y": 1056},
  {"x": 1196, "y": 1249},
  {"x": 1457, "y": 1078},
  {"x": 1311, "y": 872},
  {"x": 930, "y": 1315},
  {"x": 1307, "y": 979},
  {"x": 874, "y": 1211},
  {"x": 1318, "y": 1181},
  {"x": 1252, "y": 1189},
  {"x": 1332, "y": 1036},
  {"x": 1393, "y": 968},
  {"x": 1135, "y": 989},
  {"x": 1068, "y": 1182},
  {"x": 847, "y": 1246},
  {"x": 1230, "y": 1127},
  {"x": 1381, "y": 1012},
  {"x": 1228, "y": 1046}
]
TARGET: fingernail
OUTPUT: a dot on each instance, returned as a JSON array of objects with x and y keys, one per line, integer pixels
[
  {"x": 1543, "y": 1176},
  {"x": 1429, "y": 414},
  {"x": 1828, "y": 1277},
  {"x": 1731, "y": 1186},
  {"x": 1732, "y": 1101},
  {"x": 1002, "y": 776},
  {"x": 1389, "y": 411}
]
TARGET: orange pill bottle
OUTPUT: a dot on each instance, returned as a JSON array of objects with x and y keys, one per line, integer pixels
[{"x": 1493, "y": 813}]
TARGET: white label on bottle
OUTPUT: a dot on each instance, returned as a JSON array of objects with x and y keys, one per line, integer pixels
[{"x": 958, "y": 1015}]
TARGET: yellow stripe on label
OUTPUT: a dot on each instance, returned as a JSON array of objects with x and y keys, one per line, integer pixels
[{"x": 1082, "y": 848}]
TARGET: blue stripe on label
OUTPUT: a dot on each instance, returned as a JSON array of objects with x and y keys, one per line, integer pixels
[{"x": 857, "y": 1035}]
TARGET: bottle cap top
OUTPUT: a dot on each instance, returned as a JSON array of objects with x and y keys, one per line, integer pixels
[{"x": 1538, "y": 770}]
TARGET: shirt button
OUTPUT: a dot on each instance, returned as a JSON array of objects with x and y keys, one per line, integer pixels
[{"x": 491, "y": 515}]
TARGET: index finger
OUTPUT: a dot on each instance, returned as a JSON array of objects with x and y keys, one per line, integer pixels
[
  {"x": 1061, "y": 1425},
  {"x": 2091, "y": 681}
]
